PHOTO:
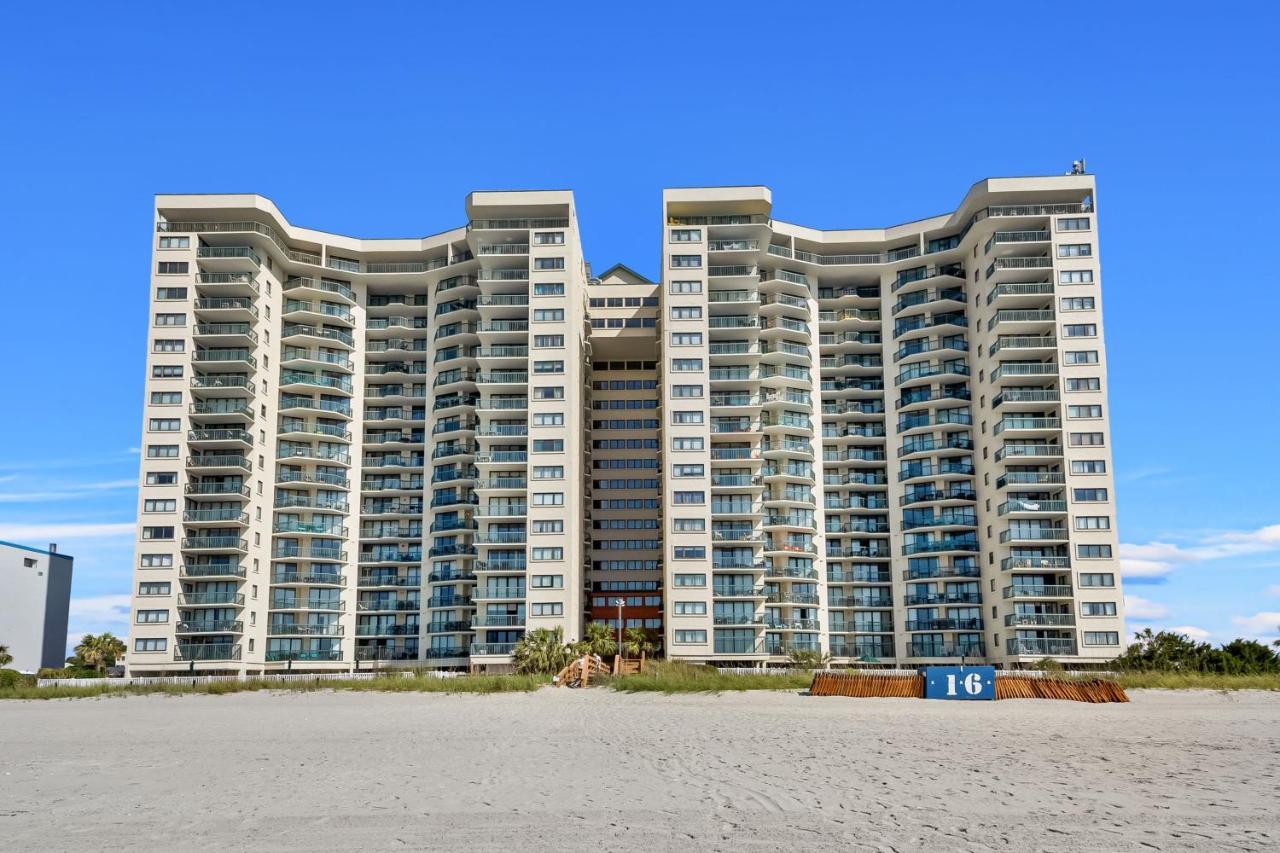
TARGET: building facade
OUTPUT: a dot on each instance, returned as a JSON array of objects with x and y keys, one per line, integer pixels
[
  {"x": 887, "y": 445},
  {"x": 35, "y": 598}
]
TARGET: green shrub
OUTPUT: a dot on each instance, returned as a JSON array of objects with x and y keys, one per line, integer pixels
[{"x": 11, "y": 678}]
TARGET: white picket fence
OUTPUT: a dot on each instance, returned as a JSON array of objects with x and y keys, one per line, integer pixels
[{"x": 195, "y": 680}]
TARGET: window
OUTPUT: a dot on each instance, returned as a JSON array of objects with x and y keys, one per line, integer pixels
[
  {"x": 166, "y": 398},
  {"x": 548, "y": 263},
  {"x": 548, "y": 367},
  {"x": 1077, "y": 303},
  {"x": 548, "y": 581},
  {"x": 147, "y": 617},
  {"x": 1093, "y": 522},
  {"x": 555, "y": 238},
  {"x": 552, "y": 526},
  {"x": 548, "y": 472},
  {"x": 549, "y": 608},
  {"x": 150, "y": 644},
  {"x": 172, "y": 268},
  {"x": 1075, "y": 250},
  {"x": 548, "y": 419},
  {"x": 686, "y": 339},
  {"x": 1098, "y": 608},
  {"x": 689, "y": 498},
  {"x": 548, "y": 288},
  {"x": 1093, "y": 552},
  {"x": 1097, "y": 579},
  {"x": 686, "y": 390},
  {"x": 689, "y": 525},
  {"x": 156, "y": 561},
  {"x": 166, "y": 293},
  {"x": 175, "y": 242},
  {"x": 1075, "y": 223},
  {"x": 1088, "y": 466},
  {"x": 1101, "y": 638},
  {"x": 686, "y": 312},
  {"x": 1088, "y": 356},
  {"x": 166, "y": 371},
  {"x": 686, "y": 235},
  {"x": 162, "y": 451},
  {"x": 1080, "y": 330},
  {"x": 690, "y": 636},
  {"x": 686, "y": 443},
  {"x": 1086, "y": 383},
  {"x": 548, "y": 499},
  {"x": 691, "y": 608},
  {"x": 1084, "y": 411},
  {"x": 168, "y": 345},
  {"x": 686, "y": 287},
  {"x": 548, "y": 315},
  {"x": 1086, "y": 439},
  {"x": 546, "y": 554},
  {"x": 686, "y": 261},
  {"x": 171, "y": 319},
  {"x": 690, "y": 580},
  {"x": 158, "y": 505},
  {"x": 686, "y": 365},
  {"x": 157, "y": 533},
  {"x": 1075, "y": 277},
  {"x": 1088, "y": 495},
  {"x": 686, "y": 417},
  {"x": 153, "y": 588},
  {"x": 548, "y": 392},
  {"x": 687, "y": 470},
  {"x": 164, "y": 424},
  {"x": 162, "y": 478},
  {"x": 548, "y": 341},
  {"x": 548, "y": 445}
]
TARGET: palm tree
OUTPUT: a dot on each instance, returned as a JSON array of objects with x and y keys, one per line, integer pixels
[
  {"x": 5, "y": 657},
  {"x": 809, "y": 658},
  {"x": 639, "y": 641},
  {"x": 599, "y": 640},
  {"x": 542, "y": 652},
  {"x": 99, "y": 652}
]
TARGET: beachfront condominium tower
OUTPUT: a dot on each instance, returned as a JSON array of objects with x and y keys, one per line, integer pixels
[{"x": 889, "y": 445}]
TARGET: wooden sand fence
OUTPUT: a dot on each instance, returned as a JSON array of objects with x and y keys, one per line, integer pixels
[
  {"x": 1007, "y": 687},
  {"x": 1093, "y": 690},
  {"x": 866, "y": 686}
]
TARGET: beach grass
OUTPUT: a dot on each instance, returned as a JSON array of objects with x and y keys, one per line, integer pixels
[
  {"x": 391, "y": 683},
  {"x": 676, "y": 677},
  {"x": 1196, "y": 681}
]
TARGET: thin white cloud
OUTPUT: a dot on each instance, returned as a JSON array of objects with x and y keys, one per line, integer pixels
[
  {"x": 70, "y": 492},
  {"x": 99, "y": 607},
  {"x": 96, "y": 614},
  {"x": 1158, "y": 559},
  {"x": 1264, "y": 625},
  {"x": 1144, "y": 474},
  {"x": 1197, "y": 634},
  {"x": 1274, "y": 589},
  {"x": 1142, "y": 608},
  {"x": 41, "y": 533}
]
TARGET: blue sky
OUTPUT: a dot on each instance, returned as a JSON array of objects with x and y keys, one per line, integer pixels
[{"x": 378, "y": 123}]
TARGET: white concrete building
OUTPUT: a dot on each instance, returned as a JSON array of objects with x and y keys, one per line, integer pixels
[
  {"x": 889, "y": 445},
  {"x": 35, "y": 597}
]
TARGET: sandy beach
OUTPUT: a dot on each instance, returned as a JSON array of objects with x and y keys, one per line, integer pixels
[{"x": 592, "y": 770}]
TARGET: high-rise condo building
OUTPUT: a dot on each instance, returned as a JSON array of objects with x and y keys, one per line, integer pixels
[{"x": 890, "y": 445}]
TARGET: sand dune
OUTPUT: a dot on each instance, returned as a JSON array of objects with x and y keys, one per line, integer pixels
[{"x": 595, "y": 771}]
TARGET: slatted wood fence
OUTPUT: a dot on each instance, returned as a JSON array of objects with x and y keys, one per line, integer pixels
[{"x": 1007, "y": 687}]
